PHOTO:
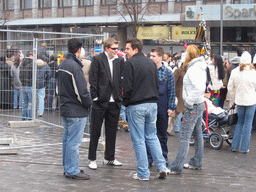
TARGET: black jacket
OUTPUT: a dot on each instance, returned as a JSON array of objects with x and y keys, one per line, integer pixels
[
  {"x": 102, "y": 85},
  {"x": 140, "y": 81},
  {"x": 26, "y": 70},
  {"x": 75, "y": 99}
]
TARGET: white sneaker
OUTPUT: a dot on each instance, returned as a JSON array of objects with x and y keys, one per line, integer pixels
[
  {"x": 93, "y": 165},
  {"x": 187, "y": 166},
  {"x": 135, "y": 176},
  {"x": 112, "y": 162}
]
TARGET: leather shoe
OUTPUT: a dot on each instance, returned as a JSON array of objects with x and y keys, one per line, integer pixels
[{"x": 79, "y": 176}]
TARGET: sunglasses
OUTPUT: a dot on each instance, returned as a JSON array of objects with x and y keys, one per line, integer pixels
[{"x": 113, "y": 48}]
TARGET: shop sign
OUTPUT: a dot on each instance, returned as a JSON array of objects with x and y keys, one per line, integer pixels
[
  {"x": 181, "y": 33},
  {"x": 155, "y": 32},
  {"x": 230, "y": 12}
]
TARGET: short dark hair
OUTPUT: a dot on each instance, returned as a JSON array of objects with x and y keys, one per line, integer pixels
[
  {"x": 74, "y": 45},
  {"x": 29, "y": 53},
  {"x": 53, "y": 57},
  {"x": 136, "y": 43},
  {"x": 159, "y": 51},
  {"x": 239, "y": 51}
]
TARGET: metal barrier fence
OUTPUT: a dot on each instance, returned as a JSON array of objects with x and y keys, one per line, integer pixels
[{"x": 48, "y": 50}]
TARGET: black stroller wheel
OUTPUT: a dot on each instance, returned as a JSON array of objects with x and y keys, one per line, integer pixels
[
  {"x": 192, "y": 141},
  {"x": 215, "y": 141}
]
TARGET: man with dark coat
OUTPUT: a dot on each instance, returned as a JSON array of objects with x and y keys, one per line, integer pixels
[
  {"x": 75, "y": 103},
  {"x": 105, "y": 80}
]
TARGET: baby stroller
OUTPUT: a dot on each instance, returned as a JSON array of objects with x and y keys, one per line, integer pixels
[{"x": 218, "y": 129}]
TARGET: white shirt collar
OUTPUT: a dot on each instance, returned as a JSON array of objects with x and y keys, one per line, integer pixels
[{"x": 106, "y": 53}]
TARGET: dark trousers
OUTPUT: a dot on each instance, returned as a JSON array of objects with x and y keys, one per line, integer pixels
[{"x": 111, "y": 116}]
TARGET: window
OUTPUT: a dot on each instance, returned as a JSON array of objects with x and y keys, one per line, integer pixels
[
  {"x": 132, "y": 1},
  {"x": 64, "y": 3},
  {"x": 9, "y": 4},
  {"x": 26, "y": 4},
  {"x": 85, "y": 2},
  {"x": 178, "y": 1},
  {"x": 108, "y": 2},
  {"x": 44, "y": 3}
]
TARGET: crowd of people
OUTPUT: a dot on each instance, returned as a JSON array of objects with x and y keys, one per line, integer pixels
[{"x": 153, "y": 94}]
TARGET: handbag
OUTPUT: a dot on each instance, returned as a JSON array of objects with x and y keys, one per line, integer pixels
[{"x": 232, "y": 118}]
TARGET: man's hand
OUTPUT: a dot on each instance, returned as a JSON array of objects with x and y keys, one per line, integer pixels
[{"x": 170, "y": 112}]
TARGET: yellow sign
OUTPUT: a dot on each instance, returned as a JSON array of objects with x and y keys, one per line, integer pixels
[
  {"x": 155, "y": 32},
  {"x": 181, "y": 33}
]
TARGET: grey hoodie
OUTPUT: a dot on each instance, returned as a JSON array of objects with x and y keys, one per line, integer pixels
[{"x": 194, "y": 82}]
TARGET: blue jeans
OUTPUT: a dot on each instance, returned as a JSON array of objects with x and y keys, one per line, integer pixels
[
  {"x": 52, "y": 87},
  {"x": 41, "y": 96},
  {"x": 192, "y": 122},
  {"x": 177, "y": 124},
  {"x": 72, "y": 138},
  {"x": 142, "y": 124},
  {"x": 17, "y": 94},
  {"x": 123, "y": 113},
  {"x": 243, "y": 128},
  {"x": 26, "y": 92}
]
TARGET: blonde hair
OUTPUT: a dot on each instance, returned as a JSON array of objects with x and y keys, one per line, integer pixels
[
  {"x": 243, "y": 66},
  {"x": 191, "y": 53}
]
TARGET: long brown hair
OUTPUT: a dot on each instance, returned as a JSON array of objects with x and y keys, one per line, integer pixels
[
  {"x": 243, "y": 66},
  {"x": 191, "y": 53}
]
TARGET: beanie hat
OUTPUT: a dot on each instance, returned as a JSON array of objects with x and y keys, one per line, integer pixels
[{"x": 246, "y": 57}]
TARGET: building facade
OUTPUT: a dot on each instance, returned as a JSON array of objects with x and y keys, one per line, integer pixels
[{"x": 115, "y": 17}]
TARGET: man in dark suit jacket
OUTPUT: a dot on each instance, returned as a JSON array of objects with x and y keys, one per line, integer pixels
[{"x": 105, "y": 80}]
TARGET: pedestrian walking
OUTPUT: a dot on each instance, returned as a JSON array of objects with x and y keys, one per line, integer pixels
[{"x": 241, "y": 87}]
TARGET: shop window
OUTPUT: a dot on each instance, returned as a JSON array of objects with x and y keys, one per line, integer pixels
[
  {"x": 243, "y": 1},
  {"x": 85, "y": 2},
  {"x": 64, "y": 3},
  {"x": 26, "y": 4},
  {"x": 108, "y": 2},
  {"x": 44, "y": 3}
]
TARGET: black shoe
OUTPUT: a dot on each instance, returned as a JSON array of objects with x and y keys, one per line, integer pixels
[
  {"x": 81, "y": 171},
  {"x": 79, "y": 176}
]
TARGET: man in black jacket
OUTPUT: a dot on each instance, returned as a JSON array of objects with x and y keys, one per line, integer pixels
[
  {"x": 140, "y": 87},
  {"x": 75, "y": 103},
  {"x": 105, "y": 80},
  {"x": 26, "y": 70}
]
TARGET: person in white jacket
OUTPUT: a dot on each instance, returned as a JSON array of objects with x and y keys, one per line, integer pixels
[
  {"x": 242, "y": 86},
  {"x": 217, "y": 74},
  {"x": 194, "y": 85}
]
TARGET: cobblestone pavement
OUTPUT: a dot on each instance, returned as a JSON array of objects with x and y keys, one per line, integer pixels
[{"x": 38, "y": 166}]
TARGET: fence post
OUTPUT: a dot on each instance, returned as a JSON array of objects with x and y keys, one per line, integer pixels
[{"x": 35, "y": 42}]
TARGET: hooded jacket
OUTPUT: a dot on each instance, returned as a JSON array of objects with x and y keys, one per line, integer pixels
[
  {"x": 75, "y": 99},
  {"x": 194, "y": 82},
  {"x": 43, "y": 74}
]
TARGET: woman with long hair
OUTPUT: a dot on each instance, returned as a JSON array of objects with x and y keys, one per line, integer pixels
[
  {"x": 194, "y": 84},
  {"x": 217, "y": 74},
  {"x": 242, "y": 86}
]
